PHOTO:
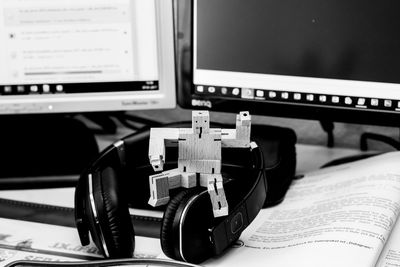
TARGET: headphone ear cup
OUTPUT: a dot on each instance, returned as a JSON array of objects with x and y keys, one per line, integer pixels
[
  {"x": 114, "y": 217},
  {"x": 184, "y": 231},
  {"x": 81, "y": 220},
  {"x": 166, "y": 236}
]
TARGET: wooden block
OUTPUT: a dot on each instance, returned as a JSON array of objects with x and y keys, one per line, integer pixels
[
  {"x": 200, "y": 121},
  {"x": 217, "y": 195},
  {"x": 161, "y": 183},
  {"x": 157, "y": 143},
  {"x": 228, "y": 134},
  {"x": 206, "y": 177},
  {"x": 199, "y": 166},
  {"x": 235, "y": 143},
  {"x": 174, "y": 178},
  {"x": 183, "y": 131},
  {"x": 199, "y": 151},
  {"x": 243, "y": 118},
  {"x": 243, "y": 126},
  {"x": 228, "y": 139},
  {"x": 207, "y": 147},
  {"x": 188, "y": 180},
  {"x": 239, "y": 137},
  {"x": 159, "y": 190}
]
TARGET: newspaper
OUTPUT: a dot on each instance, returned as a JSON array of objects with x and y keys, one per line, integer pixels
[{"x": 21, "y": 240}]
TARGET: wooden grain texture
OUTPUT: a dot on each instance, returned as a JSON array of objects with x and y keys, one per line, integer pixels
[
  {"x": 239, "y": 137},
  {"x": 216, "y": 191},
  {"x": 159, "y": 189},
  {"x": 199, "y": 156},
  {"x": 157, "y": 144}
]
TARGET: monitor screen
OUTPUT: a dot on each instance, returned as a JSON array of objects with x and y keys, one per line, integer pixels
[
  {"x": 309, "y": 59},
  {"x": 91, "y": 55}
]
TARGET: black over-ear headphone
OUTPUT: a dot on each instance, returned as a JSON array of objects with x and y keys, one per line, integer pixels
[{"x": 189, "y": 231}]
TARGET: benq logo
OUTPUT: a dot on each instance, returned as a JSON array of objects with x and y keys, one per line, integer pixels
[{"x": 201, "y": 103}]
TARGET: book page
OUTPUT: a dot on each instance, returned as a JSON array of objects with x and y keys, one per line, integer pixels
[
  {"x": 390, "y": 255},
  {"x": 338, "y": 216}
]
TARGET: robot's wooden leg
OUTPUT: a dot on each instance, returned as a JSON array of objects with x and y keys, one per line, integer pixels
[{"x": 217, "y": 194}]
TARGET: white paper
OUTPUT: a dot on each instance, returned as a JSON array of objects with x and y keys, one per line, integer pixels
[
  {"x": 390, "y": 256},
  {"x": 339, "y": 216},
  {"x": 21, "y": 240}
]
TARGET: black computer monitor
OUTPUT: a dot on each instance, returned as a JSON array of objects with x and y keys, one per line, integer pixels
[
  {"x": 324, "y": 60},
  {"x": 84, "y": 56}
]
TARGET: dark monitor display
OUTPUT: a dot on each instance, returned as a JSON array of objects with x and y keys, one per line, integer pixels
[
  {"x": 91, "y": 55},
  {"x": 337, "y": 60}
]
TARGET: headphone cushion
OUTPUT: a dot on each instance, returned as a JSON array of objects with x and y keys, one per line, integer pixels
[
  {"x": 166, "y": 236},
  {"x": 118, "y": 225}
]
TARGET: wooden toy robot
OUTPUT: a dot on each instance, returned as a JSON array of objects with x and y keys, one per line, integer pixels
[{"x": 199, "y": 158}]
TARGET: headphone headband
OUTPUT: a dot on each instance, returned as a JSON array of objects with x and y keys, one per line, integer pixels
[{"x": 229, "y": 228}]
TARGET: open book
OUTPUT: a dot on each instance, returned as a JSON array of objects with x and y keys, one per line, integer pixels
[{"x": 338, "y": 216}]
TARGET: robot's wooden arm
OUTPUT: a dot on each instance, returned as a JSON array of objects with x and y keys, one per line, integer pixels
[
  {"x": 159, "y": 139},
  {"x": 239, "y": 137}
]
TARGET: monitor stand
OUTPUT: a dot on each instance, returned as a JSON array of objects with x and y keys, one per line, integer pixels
[{"x": 44, "y": 146}]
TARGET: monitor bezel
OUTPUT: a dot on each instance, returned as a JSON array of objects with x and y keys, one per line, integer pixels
[{"x": 189, "y": 100}]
